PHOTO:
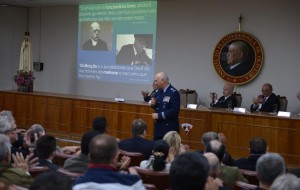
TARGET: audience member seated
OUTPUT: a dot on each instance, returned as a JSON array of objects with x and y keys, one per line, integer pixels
[
  {"x": 157, "y": 161},
  {"x": 102, "y": 172},
  {"x": 268, "y": 167},
  {"x": 100, "y": 124},
  {"x": 80, "y": 162},
  {"x": 18, "y": 174},
  {"x": 266, "y": 100},
  {"x": 175, "y": 147},
  {"x": 138, "y": 142},
  {"x": 286, "y": 182},
  {"x": 227, "y": 98},
  {"x": 45, "y": 151},
  {"x": 208, "y": 136},
  {"x": 36, "y": 131},
  {"x": 257, "y": 147},
  {"x": 190, "y": 171},
  {"x": 51, "y": 180},
  {"x": 19, "y": 142},
  {"x": 229, "y": 174},
  {"x": 9, "y": 128},
  {"x": 214, "y": 169}
]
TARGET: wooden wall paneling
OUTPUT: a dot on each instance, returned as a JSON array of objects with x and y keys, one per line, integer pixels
[
  {"x": 201, "y": 121},
  {"x": 58, "y": 114},
  {"x": 70, "y": 116}
]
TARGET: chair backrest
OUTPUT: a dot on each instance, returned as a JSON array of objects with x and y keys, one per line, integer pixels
[
  {"x": 239, "y": 185},
  {"x": 251, "y": 176},
  {"x": 37, "y": 170},
  {"x": 149, "y": 186},
  {"x": 239, "y": 99},
  {"x": 72, "y": 175},
  {"x": 160, "y": 179},
  {"x": 188, "y": 97},
  {"x": 136, "y": 157},
  {"x": 60, "y": 158},
  {"x": 283, "y": 102}
]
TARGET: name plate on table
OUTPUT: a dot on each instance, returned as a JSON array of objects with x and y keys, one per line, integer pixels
[
  {"x": 284, "y": 114},
  {"x": 192, "y": 106},
  {"x": 239, "y": 110},
  {"x": 119, "y": 99}
]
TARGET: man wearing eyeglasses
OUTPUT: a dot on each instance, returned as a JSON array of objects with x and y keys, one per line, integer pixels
[{"x": 9, "y": 128}]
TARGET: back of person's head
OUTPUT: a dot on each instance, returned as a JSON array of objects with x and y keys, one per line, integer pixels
[
  {"x": 9, "y": 115},
  {"x": 268, "y": 167},
  {"x": 103, "y": 148},
  {"x": 214, "y": 164},
  {"x": 99, "y": 124},
  {"x": 286, "y": 182},
  {"x": 208, "y": 136},
  {"x": 217, "y": 148},
  {"x": 37, "y": 128},
  {"x": 160, "y": 153},
  {"x": 51, "y": 180},
  {"x": 138, "y": 127},
  {"x": 86, "y": 140},
  {"x": 258, "y": 145},
  {"x": 189, "y": 171},
  {"x": 4, "y": 148},
  {"x": 5, "y": 125},
  {"x": 45, "y": 146},
  {"x": 174, "y": 140}
]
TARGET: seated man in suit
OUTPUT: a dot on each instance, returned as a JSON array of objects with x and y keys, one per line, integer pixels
[
  {"x": 80, "y": 162},
  {"x": 258, "y": 147},
  {"x": 269, "y": 167},
  {"x": 18, "y": 174},
  {"x": 266, "y": 101},
  {"x": 138, "y": 142},
  {"x": 45, "y": 151},
  {"x": 211, "y": 135},
  {"x": 229, "y": 175},
  {"x": 214, "y": 168},
  {"x": 102, "y": 171},
  {"x": 190, "y": 171},
  {"x": 225, "y": 100}
]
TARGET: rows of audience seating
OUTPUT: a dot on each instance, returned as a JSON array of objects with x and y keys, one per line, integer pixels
[{"x": 31, "y": 159}]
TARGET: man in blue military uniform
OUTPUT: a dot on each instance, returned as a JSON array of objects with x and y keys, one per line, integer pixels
[{"x": 167, "y": 105}]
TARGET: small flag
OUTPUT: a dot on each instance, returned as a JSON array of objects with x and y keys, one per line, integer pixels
[{"x": 186, "y": 127}]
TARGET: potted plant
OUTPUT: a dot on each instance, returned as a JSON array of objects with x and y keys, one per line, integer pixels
[{"x": 24, "y": 81}]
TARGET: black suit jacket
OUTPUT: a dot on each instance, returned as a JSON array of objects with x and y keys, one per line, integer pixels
[
  {"x": 137, "y": 144},
  {"x": 248, "y": 163},
  {"x": 267, "y": 106},
  {"x": 100, "y": 46},
  {"x": 50, "y": 165},
  {"x": 239, "y": 70},
  {"x": 127, "y": 55},
  {"x": 222, "y": 103}
]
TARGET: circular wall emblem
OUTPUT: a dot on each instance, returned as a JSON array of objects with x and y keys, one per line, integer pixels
[{"x": 238, "y": 58}]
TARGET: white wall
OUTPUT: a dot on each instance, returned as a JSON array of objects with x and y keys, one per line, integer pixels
[
  {"x": 187, "y": 34},
  {"x": 13, "y": 24}
]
